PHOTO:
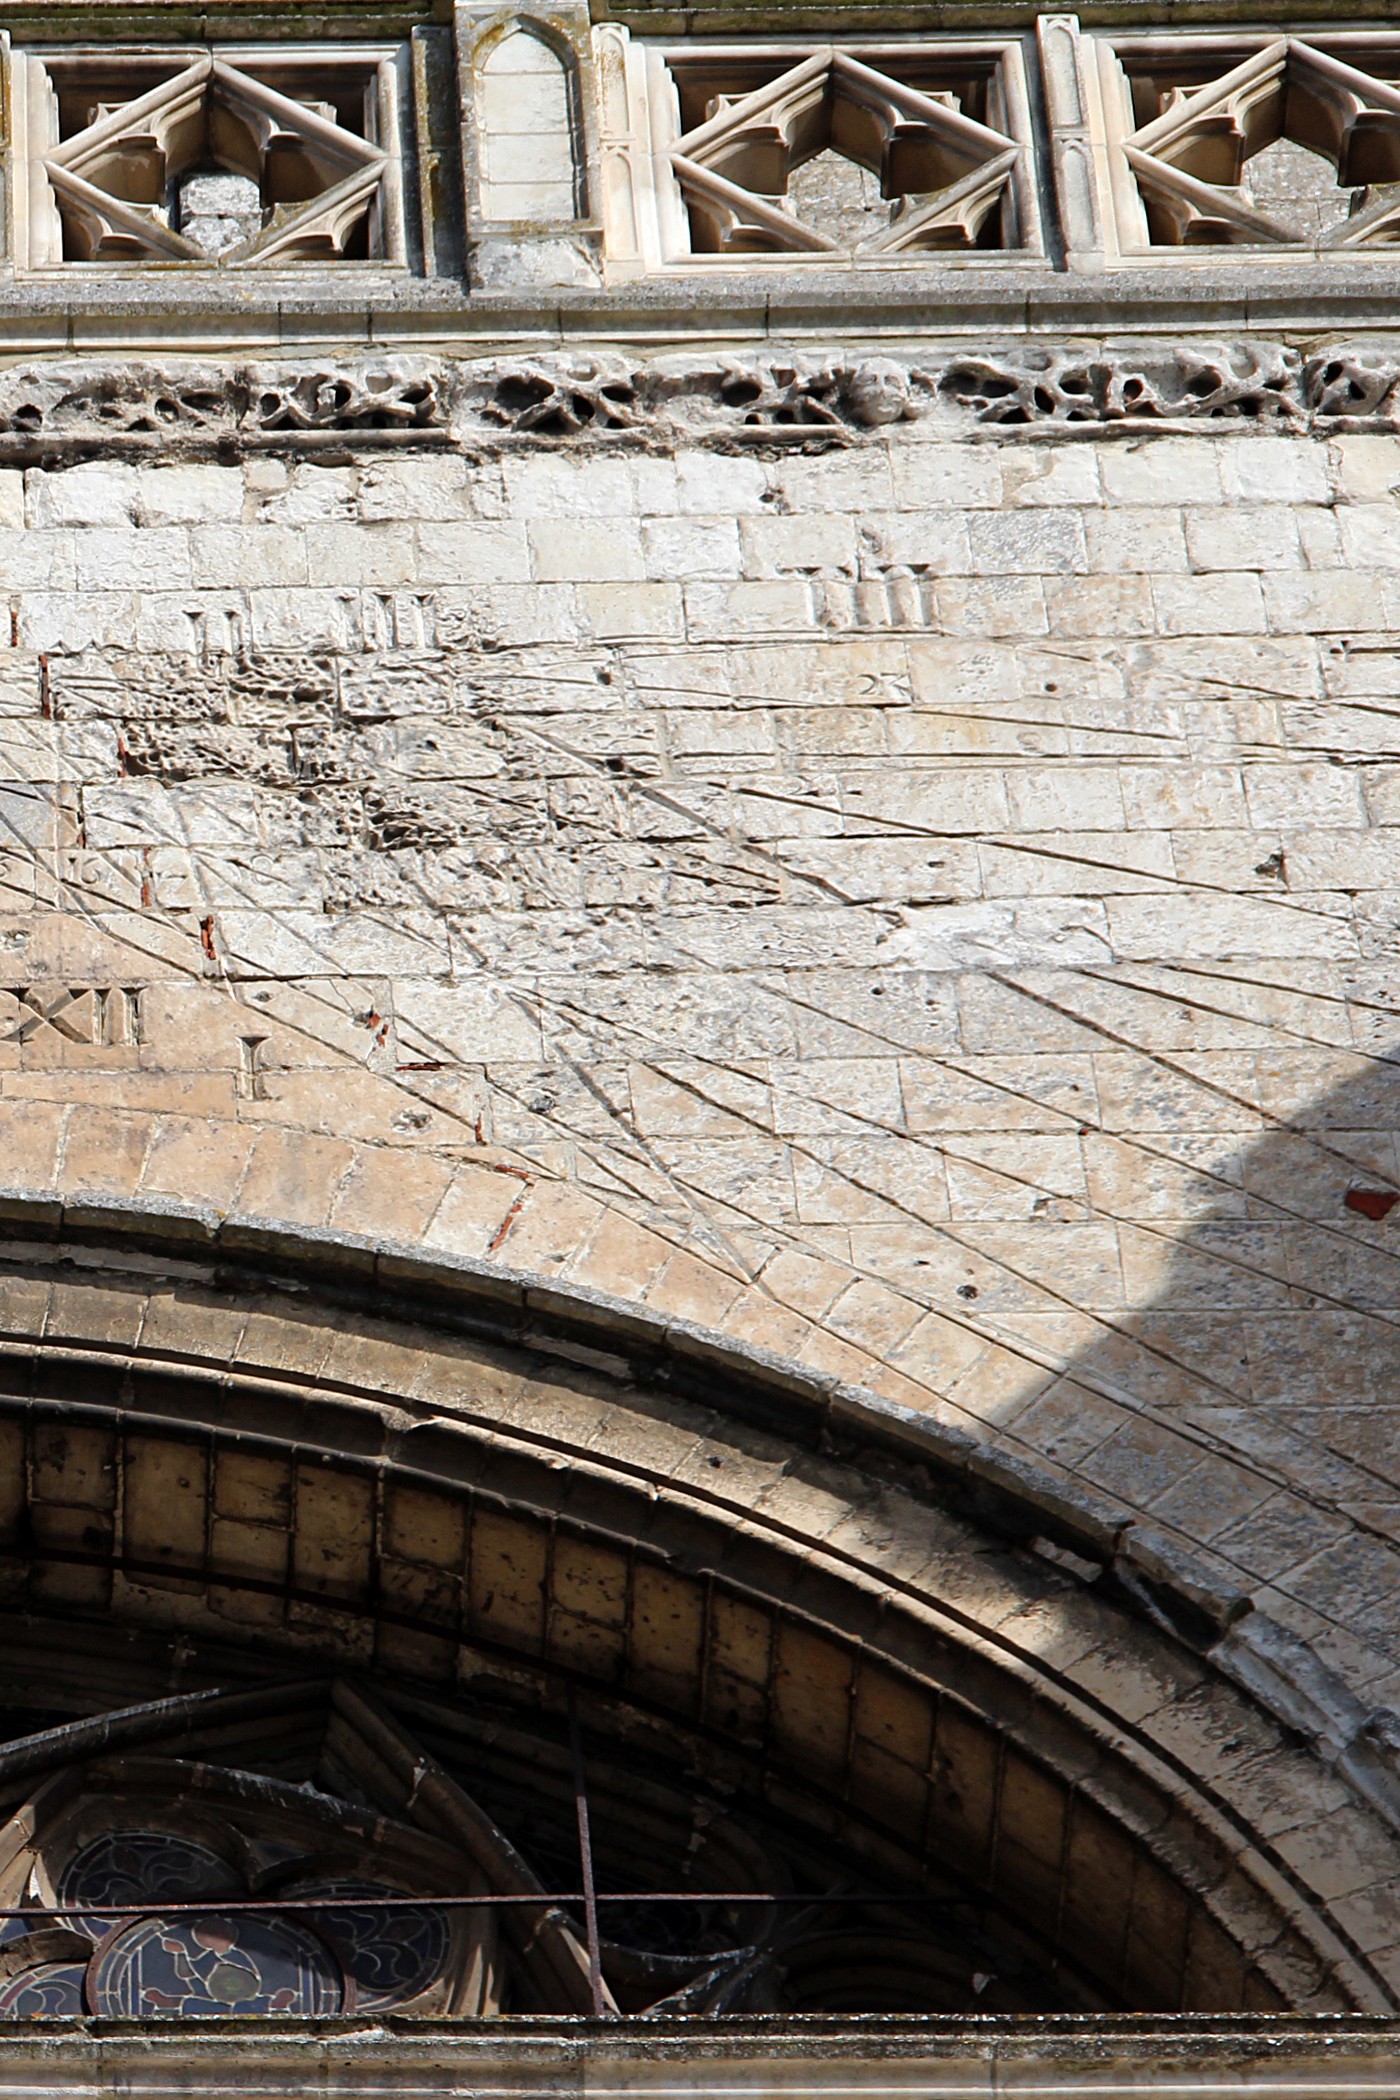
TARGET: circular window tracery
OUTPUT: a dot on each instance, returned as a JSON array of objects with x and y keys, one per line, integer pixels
[
  {"x": 213, "y": 1963},
  {"x": 138, "y": 1868},
  {"x": 341, "y": 1874},
  {"x": 323, "y": 1945},
  {"x": 49, "y": 1989},
  {"x": 119, "y": 1886},
  {"x": 388, "y": 1955}
]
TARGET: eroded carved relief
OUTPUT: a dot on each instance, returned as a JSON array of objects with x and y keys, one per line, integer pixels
[
  {"x": 82, "y": 402},
  {"x": 1259, "y": 382},
  {"x": 761, "y": 398}
]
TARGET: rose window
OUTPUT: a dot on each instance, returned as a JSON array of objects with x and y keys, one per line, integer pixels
[
  {"x": 302, "y": 1852},
  {"x": 139, "y": 1942}
]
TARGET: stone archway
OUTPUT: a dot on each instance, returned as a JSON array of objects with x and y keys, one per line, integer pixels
[{"x": 311, "y": 1453}]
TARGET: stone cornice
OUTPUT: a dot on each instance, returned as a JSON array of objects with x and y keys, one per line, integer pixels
[
  {"x": 200, "y": 313},
  {"x": 547, "y": 2057}
]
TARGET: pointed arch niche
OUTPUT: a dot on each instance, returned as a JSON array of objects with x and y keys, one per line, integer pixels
[
  {"x": 801, "y": 1665},
  {"x": 527, "y": 121}
]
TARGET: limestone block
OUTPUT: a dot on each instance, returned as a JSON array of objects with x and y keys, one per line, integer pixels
[
  {"x": 712, "y": 484},
  {"x": 552, "y": 486},
  {"x": 307, "y": 494},
  {"x": 39, "y": 561},
  {"x": 259, "y": 556},
  {"x": 471, "y": 552},
  {"x": 116, "y": 558},
  {"x": 1319, "y": 536},
  {"x": 1367, "y": 469},
  {"x": 1103, "y": 606},
  {"x": 937, "y": 476},
  {"x": 1065, "y": 474},
  {"x": 526, "y": 129},
  {"x": 1081, "y": 863},
  {"x": 934, "y": 542},
  {"x": 1370, "y": 535},
  {"x": 584, "y": 551},
  {"x": 474, "y": 1021},
  {"x": 1222, "y": 604},
  {"x": 341, "y": 554},
  {"x": 40, "y": 752},
  {"x": 190, "y": 494},
  {"x": 971, "y": 799},
  {"x": 297, "y": 943},
  {"x": 1303, "y": 793},
  {"x": 437, "y": 491},
  {"x": 1314, "y": 925},
  {"x": 611, "y": 612},
  {"x": 1274, "y": 470},
  {"x": 1011, "y": 605},
  {"x": 95, "y": 492},
  {"x": 775, "y": 546},
  {"x": 1127, "y": 537},
  {"x": 696, "y": 545},
  {"x": 1353, "y": 601},
  {"x": 1056, "y": 797},
  {"x": 1030, "y": 543},
  {"x": 1160, "y": 470},
  {"x": 832, "y": 482}
]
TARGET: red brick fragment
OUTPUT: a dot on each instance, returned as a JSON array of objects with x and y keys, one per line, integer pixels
[{"x": 1374, "y": 1204}]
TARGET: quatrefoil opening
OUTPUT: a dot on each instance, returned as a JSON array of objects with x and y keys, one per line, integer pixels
[
  {"x": 131, "y": 185},
  {"x": 1190, "y": 160},
  {"x": 945, "y": 175}
]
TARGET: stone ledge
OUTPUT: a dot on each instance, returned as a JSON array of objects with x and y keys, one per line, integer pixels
[{"x": 543, "y": 2056}]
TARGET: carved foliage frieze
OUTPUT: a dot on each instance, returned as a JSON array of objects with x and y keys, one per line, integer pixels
[{"x": 768, "y": 396}]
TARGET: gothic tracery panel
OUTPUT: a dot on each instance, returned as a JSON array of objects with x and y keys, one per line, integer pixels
[
  {"x": 232, "y": 159},
  {"x": 819, "y": 152},
  {"x": 1262, "y": 143}
]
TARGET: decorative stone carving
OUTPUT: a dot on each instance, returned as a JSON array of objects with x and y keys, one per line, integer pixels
[
  {"x": 776, "y": 397},
  {"x": 559, "y": 396},
  {"x": 107, "y": 1016},
  {"x": 1187, "y": 164},
  {"x": 359, "y": 397},
  {"x": 1354, "y": 381},
  {"x": 309, "y": 183},
  {"x": 1257, "y": 381},
  {"x": 80, "y": 404},
  {"x": 943, "y": 129},
  {"x": 943, "y": 173}
]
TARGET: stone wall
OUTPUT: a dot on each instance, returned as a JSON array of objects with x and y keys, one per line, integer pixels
[{"x": 913, "y": 895}]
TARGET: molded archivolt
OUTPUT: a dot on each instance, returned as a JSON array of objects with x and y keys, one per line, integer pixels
[{"x": 249, "y": 1461}]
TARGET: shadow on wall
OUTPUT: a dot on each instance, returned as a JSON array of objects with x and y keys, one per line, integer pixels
[{"x": 1247, "y": 1420}]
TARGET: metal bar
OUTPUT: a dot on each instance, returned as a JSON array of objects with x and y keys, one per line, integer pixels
[{"x": 585, "y": 1853}]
